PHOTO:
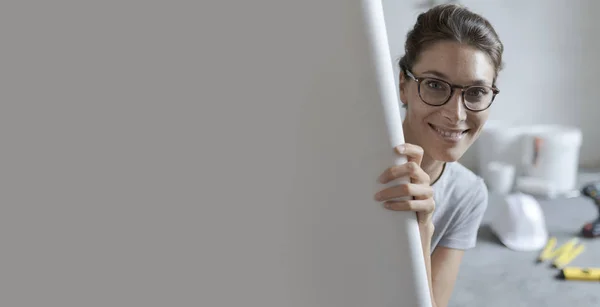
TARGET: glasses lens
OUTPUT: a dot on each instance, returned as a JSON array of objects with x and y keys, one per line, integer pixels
[
  {"x": 434, "y": 91},
  {"x": 478, "y": 97}
]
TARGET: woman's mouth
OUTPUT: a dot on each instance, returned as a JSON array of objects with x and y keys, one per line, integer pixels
[{"x": 452, "y": 135}]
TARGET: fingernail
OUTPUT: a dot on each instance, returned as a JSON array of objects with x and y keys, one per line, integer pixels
[
  {"x": 400, "y": 149},
  {"x": 378, "y": 196}
]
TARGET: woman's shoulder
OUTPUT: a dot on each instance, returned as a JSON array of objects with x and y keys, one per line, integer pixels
[
  {"x": 459, "y": 171},
  {"x": 460, "y": 185},
  {"x": 460, "y": 203},
  {"x": 460, "y": 176}
]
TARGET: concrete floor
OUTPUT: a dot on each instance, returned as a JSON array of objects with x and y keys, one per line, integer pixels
[{"x": 493, "y": 276}]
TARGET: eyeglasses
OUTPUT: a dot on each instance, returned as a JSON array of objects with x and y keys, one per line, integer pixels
[{"x": 437, "y": 92}]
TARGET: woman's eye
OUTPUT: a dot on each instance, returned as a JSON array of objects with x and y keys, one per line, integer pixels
[
  {"x": 477, "y": 92},
  {"x": 435, "y": 85}
]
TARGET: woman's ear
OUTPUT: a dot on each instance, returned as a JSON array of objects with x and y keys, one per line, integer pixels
[{"x": 403, "y": 88}]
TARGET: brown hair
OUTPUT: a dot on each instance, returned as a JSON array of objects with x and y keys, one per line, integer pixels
[{"x": 452, "y": 22}]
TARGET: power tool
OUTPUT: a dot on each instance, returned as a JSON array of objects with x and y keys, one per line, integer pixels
[{"x": 592, "y": 229}]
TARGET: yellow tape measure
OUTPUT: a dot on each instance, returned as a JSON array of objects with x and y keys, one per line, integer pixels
[
  {"x": 562, "y": 255},
  {"x": 574, "y": 273}
]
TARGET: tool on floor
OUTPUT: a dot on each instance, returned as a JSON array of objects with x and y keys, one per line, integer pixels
[
  {"x": 566, "y": 257},
  {"x": 562, "y": 255},
  {"x": 575, "y": 273},
  {"x": 592, "y": 229}
]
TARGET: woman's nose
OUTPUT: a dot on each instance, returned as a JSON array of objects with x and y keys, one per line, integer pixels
[{"x": 454, "y": 110}]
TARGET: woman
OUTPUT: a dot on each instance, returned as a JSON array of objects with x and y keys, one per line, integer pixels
[{"x": 447, "y": 84}]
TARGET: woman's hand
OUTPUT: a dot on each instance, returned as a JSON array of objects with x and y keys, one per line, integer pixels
[{"x": 419, "y": 189}]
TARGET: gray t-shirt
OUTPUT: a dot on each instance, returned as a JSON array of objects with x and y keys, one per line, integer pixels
[{"x": 461, "y": 199}]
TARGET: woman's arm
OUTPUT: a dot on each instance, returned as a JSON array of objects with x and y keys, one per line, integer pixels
[
  {"x": 426, "y": 233},
  {"x": 441, "y": 266},
  {"x": 421, "y": 192},
  {"x": 447, "y": 256},
  {"x": 444, "y": 265},
  {"x": 442, "y": 269}
]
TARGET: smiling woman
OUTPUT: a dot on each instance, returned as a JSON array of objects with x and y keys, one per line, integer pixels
[
  {"x": 447, "y": 85},
  {"x": 439, "y": 118}
]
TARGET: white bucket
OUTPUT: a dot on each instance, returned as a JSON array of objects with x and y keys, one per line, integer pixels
[
  {"x": 499, "y": 142},
  {"x": 500, "y": 177},
  {"x": 551, "y": 153},
  {"x": 555, "y": 160}
]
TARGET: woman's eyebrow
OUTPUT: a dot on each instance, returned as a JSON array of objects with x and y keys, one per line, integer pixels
[
  {"x": 436, "y": 73},
  {"x": 445, "y": 77}
]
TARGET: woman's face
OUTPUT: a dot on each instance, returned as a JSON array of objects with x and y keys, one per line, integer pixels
[{"x": 445, "y": 132}]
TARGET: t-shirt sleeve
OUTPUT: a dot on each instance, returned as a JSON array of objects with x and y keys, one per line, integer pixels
[{"x": 462, "y": 233}]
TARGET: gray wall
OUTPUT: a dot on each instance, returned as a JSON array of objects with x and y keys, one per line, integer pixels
[{"x": 551, "y": 65}]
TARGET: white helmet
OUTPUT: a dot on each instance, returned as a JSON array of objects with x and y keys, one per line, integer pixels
[{"x": 518, "y": 221}]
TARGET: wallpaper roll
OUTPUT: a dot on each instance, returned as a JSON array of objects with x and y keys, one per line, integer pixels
[{"x": 200, "y": 153}]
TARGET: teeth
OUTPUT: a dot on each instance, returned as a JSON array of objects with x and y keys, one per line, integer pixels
[{"x": 449, "y": 134}]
